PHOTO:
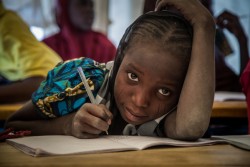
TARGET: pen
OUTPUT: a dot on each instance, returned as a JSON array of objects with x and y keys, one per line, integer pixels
[{"x": 86, "y": 85}]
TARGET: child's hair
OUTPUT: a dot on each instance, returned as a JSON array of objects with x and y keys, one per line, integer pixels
[{"x": 169, "y": 28}]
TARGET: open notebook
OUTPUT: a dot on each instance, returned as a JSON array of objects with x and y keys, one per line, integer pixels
[
  {"x": 240, "y": 141},
  {"x": 63, "y": 145}
]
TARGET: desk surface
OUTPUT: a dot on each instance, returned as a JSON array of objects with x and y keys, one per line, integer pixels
[
  {"x": 232, "y": 109},
  {"x": 229, "y": 109},
  {"x": 215, "y": 155}
]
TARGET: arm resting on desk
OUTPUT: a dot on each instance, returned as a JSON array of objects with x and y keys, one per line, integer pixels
[{"x": 27, "y": 119}]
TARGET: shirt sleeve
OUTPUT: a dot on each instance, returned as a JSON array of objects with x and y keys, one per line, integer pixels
[{"x": 63, "y": 91}]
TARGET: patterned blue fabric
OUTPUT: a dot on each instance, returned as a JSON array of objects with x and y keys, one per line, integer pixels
[{"x": 63, "y": 91}]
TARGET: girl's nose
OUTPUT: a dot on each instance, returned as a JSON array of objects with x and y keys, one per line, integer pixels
[{"x": 141, "y": 98}]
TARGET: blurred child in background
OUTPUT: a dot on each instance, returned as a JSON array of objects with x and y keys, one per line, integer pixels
[{"x": 76, "y": 37}]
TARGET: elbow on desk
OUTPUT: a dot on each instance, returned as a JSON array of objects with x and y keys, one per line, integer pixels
[
  {"x": 189, "y": 132},
  {"x": 191, "y": 135},
  {"x": 21, "y": 117},
  {"x": 10, "y": 123}
]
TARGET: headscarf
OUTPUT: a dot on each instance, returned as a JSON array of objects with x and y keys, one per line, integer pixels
[{"x": 71, "y": 42}]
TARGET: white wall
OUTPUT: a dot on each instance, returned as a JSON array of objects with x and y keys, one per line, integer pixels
[
  {"x": 122, "y": 13},
  {"x": 101, "y": 21}
]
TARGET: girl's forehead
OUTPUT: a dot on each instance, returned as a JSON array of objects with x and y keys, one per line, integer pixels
[
  {"x": 149, "y": 49},
  {"x": 152, "y": 58}
]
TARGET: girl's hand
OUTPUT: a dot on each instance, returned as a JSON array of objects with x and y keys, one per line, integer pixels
[
  {"x": 192, "y": 10},
  {"x": 91, "y": 120}
]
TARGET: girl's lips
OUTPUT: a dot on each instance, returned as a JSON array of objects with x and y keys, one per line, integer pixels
[
  {"x": 137, "y": 115},
  {"x": 132, "y": 116}
]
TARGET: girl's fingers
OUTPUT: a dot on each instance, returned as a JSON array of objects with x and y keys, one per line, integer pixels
[
  {"x": 108, "y": 113},
  {"x": 92, "y": 119},
  {"x": 85, "y": 128},
  {"x": 159, "y": 5},
  {"x": 195, "y": 13},
  {"x": 94, "y": 122},
  {"x": 81, "y": 129},
  {"x": 83, "y": 135},
  {"x": 99, "y": 111},
  {"x": 169, "y": 4}
]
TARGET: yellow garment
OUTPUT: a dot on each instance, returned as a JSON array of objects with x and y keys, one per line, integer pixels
[{"x": 21, "y": 54}]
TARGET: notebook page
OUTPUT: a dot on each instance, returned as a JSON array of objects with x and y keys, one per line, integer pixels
[
  {"x": 142, "y": 142},
  {"x": 241, "y": 141},
  {"x": 60, "y": 145}
]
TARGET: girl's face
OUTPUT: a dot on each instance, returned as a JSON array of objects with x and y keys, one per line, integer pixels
[{"x": 148, "y": 83}]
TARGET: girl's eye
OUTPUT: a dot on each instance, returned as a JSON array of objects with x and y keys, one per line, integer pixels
[
  {"x": 132, "y": 77},
  {"x": 164, "y": 92}
]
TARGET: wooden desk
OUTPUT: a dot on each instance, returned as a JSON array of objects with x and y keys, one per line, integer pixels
[
  {"x": 215, "y": 155},
  {"x": 229, "y": 109}
]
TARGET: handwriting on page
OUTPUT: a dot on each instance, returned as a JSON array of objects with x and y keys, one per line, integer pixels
[
  {"x": 139, "y": 142},
  {"x": 142, "y": 142}
]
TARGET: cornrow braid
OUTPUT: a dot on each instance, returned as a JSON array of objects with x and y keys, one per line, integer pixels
[{"x": 172, "y": 33}]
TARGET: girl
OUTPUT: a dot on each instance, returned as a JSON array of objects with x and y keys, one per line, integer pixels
[{"x": 161, "y": 82}]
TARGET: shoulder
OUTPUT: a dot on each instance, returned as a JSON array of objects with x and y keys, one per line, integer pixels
[
  {"x": 52, "y": 38},
  {"x": 99, "y": 34}
]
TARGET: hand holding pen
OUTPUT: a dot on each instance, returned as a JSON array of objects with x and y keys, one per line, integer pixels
[{"x": 92, "y": 118}]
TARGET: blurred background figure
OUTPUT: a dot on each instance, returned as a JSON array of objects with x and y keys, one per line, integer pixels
[
  {"x": 226, "y": 78},
  {"x": 76, "y": 37},
  {"x": 24, "y": 61}
]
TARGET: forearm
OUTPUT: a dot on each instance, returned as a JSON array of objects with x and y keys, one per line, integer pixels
[
  {"x": 28, "y": 119},
  {"x": 196, "y": 99},
  {"x": 57, "y": 126}
]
